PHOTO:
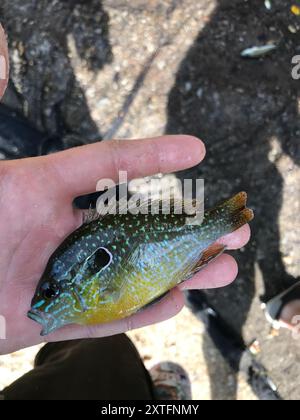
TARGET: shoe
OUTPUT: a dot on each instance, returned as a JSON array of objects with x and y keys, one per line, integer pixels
[
  {"x": 273, "y": 308},
  {"x": 18, "y": 137},
  {"x": 171, "y": 382}
]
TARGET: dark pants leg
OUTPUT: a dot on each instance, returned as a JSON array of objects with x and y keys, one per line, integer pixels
[{"x": 95, "y": 369}]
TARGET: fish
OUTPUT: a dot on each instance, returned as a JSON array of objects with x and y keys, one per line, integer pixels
[
  {"x": 257, "y": 52},
  {"x": 116, "y": 265}
]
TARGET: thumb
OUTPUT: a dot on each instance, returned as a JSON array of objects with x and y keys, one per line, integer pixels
[{"x": 3, "y": 62}]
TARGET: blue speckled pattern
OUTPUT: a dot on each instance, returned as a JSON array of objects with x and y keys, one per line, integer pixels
[{"x": 114, "y": 266}]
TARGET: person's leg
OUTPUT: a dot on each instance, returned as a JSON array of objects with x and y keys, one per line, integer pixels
[{"x": 96, "y": 369}]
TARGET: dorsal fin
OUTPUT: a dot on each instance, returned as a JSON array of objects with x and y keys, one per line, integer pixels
[
  {"x": 165, "y": 206},
  {"x": 189, "y": 208},
  {"x": 90, "y": 215}
]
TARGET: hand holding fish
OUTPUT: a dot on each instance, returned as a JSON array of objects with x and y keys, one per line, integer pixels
[
  {"x": 37, "y": 214},
  {"x": 3, "y": 62},
  {"x": 36, "y": 205}
]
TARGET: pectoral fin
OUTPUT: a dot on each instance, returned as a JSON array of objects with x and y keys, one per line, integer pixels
[{"x": 111, "y": 295}]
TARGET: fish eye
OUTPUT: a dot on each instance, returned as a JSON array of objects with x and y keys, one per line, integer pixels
[{"x": 49, "y": 291}]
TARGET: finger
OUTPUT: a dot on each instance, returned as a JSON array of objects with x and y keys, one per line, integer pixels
[
  {"x": 81, "y": 168},
  {"x": 237, "y": 239},
  {"x": 3, "y": 62},
  {"x": 219, "y": 273},
  {"x": 167, "y": 308}
]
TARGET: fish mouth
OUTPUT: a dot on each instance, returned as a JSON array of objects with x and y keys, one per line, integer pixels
[{"x": 45, "y": 320}]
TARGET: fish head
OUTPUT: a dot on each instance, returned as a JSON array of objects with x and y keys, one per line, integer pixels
[
  {"x": 67, "y": 292},
  {"x": 52, "y": 306}
]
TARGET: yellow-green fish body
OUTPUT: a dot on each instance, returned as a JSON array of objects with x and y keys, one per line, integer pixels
[{"x": 112, "y": 267}]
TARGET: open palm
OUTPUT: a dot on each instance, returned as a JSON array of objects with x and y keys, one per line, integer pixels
[{"x": 37, "y": 214}]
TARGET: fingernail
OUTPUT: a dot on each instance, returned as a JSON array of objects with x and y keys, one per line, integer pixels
[{"x": 2, "y": 67}]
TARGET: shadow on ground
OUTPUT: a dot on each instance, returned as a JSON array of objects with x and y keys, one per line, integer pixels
[
  {"x": 238, "y": 106},
  {"x": 43, "y": 85}
]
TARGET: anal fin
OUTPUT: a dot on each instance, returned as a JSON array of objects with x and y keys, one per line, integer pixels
[{"x": 209, "y": 255}]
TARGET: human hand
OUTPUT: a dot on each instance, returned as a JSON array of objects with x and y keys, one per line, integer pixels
[
  {"x": 37, "y": 214},
  {"x": 3, "y": 62}
]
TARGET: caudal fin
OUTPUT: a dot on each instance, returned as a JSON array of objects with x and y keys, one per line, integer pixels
[
  {"x": 230, "y": 215},
  {"x": 235, "y": 210}
]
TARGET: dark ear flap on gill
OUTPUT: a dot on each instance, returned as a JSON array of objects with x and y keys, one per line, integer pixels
[{"x": 100, "y": 260}]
